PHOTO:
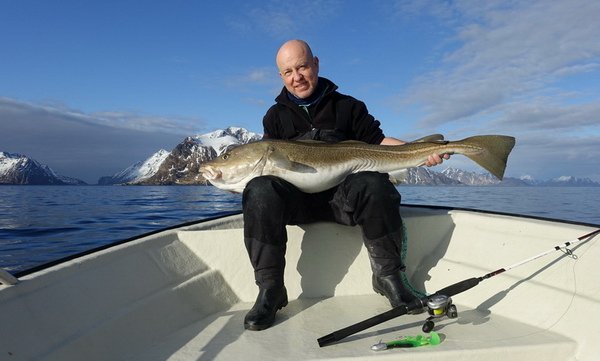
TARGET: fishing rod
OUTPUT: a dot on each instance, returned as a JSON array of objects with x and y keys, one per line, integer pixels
[{"x": 439, "y": 304}]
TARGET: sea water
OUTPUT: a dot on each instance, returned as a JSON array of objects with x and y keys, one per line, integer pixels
[{"x": 39, "y": 224}]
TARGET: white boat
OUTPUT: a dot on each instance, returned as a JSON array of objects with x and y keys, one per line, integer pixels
[{"x": 182, "y": 293}]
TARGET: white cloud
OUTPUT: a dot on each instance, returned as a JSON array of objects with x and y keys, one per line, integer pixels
[
  {"x": 263, "y": 83},
  {"x": 516, "y": 68},
  {"x": 508, "y": 52},
  {"x": 554, "y": 156},
  {"x": 542, "y": 114},
  {"x": 273, "y": 20},
  {"x": 80, "y": 145},
  {"x": 148, "y": 123},
  {"x": 114, "y": 119},
  {"x": 257, "y": 76},
  {"x": 284, "y": 19}
]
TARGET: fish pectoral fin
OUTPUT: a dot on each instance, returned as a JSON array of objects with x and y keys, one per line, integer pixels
[
  {"x": 399, "y": 176},
  {"x": 286, "y": 164},
  {"x": 302, "y": 168},
  {"x": 282, "y": 161}
]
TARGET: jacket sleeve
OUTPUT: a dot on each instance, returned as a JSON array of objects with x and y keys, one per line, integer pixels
[
  {"x": 365, "y": 127},
  {"x": 270, "y": 129}
]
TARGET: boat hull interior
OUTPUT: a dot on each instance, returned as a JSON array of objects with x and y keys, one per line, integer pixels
[{"x": 182, "y": 293}]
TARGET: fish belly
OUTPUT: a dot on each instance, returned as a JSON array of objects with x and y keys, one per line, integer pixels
[{"x": 316, "y": 182}]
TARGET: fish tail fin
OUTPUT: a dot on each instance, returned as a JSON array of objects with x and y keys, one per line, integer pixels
[{"x": 494, "y": 154}]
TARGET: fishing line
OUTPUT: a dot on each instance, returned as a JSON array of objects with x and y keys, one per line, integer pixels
[
  {"x": 403, "y": 277},
  {"x": 572, "y": 294},
  {"x": 570, "y": 254},
  {"x": 454, "y": 289}
]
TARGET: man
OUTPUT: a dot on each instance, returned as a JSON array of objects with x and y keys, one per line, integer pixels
[{"x": 309, "y": 107}]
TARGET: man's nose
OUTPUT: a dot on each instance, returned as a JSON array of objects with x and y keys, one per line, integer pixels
[{"x": 298, "y": 76}]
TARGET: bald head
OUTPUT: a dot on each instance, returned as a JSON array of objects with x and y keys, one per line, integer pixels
[
  {"x": 293, "y": 48},
  {"x": 298, "y": 68}
]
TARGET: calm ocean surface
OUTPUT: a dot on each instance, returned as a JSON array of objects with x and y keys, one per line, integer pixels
[{"x": 39, "y": 224}]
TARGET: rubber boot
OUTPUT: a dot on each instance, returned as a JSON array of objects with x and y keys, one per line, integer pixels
[
  {"x": 392, "y": 287},
  {"x": 262, "y": 315},
  {"x": 388, "y": 269}
]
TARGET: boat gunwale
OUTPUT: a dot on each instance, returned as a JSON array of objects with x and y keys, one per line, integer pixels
[
  {"x": 90, "y": 251},
  {"x": 103, "y": 247}
]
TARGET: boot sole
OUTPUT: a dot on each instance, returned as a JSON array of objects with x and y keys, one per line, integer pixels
[{"x": 255, "y": 327}]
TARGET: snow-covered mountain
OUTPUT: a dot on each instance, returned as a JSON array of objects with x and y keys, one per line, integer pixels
[
  {"x": 453, "y": 176},
  {"x": 483, "y": 179},
  {"x": 139, "y": 171},
  {"x": 569, "y": 181},
  {"x": 470, "y": 178},
  {"x": 20, "y": 169},
  {"x": 480, "y": 179},
  {"x": 220, "y": 140},
  {"x": 182, "y": 165},
  {"x": 563, "y": 181},
  {"x": 426, "y": 176}
]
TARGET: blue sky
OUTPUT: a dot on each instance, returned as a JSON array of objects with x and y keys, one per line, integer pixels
[{"x": 91, "y": 87}]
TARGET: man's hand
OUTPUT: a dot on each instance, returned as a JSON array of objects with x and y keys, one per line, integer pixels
[
  {"x": 436, "y": 159},
  {"x": 432, "y": 160}
]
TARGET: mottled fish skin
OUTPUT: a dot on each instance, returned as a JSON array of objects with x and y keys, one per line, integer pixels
[{"x": 315, "y": 166}]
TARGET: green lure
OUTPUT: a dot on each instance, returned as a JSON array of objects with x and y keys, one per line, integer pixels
[{"x": 409, "y": 341}]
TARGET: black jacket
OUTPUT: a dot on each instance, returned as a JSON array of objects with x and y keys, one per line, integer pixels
[{"x": 335, "y": 117}]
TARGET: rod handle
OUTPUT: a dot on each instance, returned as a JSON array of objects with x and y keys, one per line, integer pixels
[
  {"x": 363, "y": 325},
  {"x": 459, "y": 287}
]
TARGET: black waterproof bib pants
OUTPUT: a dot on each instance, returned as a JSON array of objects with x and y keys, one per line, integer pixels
[{"x": 367, "y": 199}]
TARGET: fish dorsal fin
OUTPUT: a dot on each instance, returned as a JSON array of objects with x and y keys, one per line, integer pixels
[
  {"x": 310, "y": 141},
  {"x": 279, "y": 159},
  {"x": 429, "y": 138},
  {"x": 313, "y": 141},
  {"x": 352, "y": 142}
]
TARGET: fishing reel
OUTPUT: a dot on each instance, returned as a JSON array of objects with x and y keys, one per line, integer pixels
[{"x": 438, "y": 306}]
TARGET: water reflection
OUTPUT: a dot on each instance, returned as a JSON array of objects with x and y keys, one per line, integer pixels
[{"x": 42, "y": 223}]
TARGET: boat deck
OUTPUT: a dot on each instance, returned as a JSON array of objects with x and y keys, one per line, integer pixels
[
  {"x": 474, "y": 335},
  {"x": 182, "y": 294}
]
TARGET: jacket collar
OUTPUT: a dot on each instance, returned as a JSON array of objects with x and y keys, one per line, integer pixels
[{"x": 283, "y": 97}]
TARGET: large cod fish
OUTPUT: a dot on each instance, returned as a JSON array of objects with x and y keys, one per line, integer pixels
[{"x": 314, "y": 166}]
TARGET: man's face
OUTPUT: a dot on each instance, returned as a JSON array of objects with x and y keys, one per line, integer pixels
[{"x": 298, "y": 70}]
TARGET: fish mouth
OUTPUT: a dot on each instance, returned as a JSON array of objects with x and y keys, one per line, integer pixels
[{"x": 209, "y": 172}]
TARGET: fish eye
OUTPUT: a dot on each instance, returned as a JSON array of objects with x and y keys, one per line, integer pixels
[{"x": 225, "y": 156}]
